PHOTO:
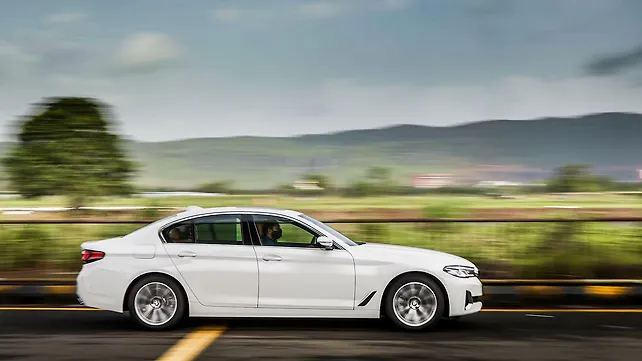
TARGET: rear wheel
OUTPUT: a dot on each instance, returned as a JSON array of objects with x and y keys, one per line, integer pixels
[
  {"x": 414, "y": 303},
  {"x": 157, "y": 303}
]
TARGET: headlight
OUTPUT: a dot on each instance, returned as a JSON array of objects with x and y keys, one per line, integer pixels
[{"x": 462, "y": 271}]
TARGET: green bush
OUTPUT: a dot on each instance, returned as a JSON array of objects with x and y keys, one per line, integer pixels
[
  {"x": 530, "y": 250},
  {"x": 25, "y": 247}
]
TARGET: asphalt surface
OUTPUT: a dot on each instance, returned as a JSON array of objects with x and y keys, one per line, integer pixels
[{"x": 31, "y": 334}]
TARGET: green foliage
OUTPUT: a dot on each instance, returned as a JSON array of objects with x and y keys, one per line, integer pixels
[
  {"x": 372, "y": 232},
  {"x": 25, "y": 247},
  {"x": 537, "y": 250},
  {"x": 150, "y": 212},
  {"x": 216, "y": 187},
  {"x": 116, "y": 230},
  {"x": 360, "y": 188},
  {"x": 443, "y": 210},
  {"x": 377, "y": 181},
  {"x": 577, "y": 178},
  {"x": 67, "y": 147}
]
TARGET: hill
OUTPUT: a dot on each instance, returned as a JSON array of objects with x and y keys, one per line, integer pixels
[{"x": 608, "y": 141}]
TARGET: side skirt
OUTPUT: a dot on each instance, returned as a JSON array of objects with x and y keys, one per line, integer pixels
[{"x": 198, "y": 310}]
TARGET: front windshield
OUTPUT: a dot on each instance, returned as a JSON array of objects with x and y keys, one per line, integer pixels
[{"x": 330, "y": 230}]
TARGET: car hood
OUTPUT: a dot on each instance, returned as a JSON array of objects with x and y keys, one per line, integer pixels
[{"x": 405, "y": 254}]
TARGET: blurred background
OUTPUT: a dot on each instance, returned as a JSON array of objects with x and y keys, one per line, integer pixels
[{"x": 507, "y": 132}]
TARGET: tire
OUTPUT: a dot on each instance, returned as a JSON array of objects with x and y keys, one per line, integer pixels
[
  {"x": 421, "y": 297},
  {"x": 163, "y": 304}
]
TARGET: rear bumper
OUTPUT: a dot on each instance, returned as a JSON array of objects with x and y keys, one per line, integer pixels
[{"x": 93, "y": 296}]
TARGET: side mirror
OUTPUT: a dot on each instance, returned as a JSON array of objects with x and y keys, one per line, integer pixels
[{"x": 325, "y": 242}]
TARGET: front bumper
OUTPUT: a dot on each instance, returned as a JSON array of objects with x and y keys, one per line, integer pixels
[{"x": 465, "y": 296}]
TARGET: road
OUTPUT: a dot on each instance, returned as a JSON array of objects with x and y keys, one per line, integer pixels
[{"x": 75, "y": 334}]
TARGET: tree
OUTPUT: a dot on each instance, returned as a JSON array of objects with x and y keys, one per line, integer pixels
[
  {"x": 375, "y": 181},
  {"x": 216, "y": 187},
  {"x": 577, "y": 178},
  {"x": 67, "y": 147},
  {"x": 380, "y": 179}
]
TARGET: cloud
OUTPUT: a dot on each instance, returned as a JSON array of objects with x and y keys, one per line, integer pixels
[
  {"x": 228, "y": 14},
  {"x": 324, "y": 9},
  {"x": 394, "y": 5},
  {"x": 65, "y": 17},
  {"x": 147, "y": 51},
  {"x": 12, "y": 58},
  {"x": 41, "y": 53},
  {"x": 612, "y": 64},
  {"x": 316, "y": 9},
  {"x": 237, "y": 14},
  {"x": 10, "y": 52}
]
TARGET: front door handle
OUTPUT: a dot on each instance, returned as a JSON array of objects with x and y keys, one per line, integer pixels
[
  {"x": 186, "y": 254},
  {"x": 271, "y": 257}
]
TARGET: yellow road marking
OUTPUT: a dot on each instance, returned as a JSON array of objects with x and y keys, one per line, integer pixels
[
  {"x": 192, "y": 345},
  {"x": 60, "y": 290},
  {"x": 6, "y": 288},
  {"x": 540, "y": 289},
  {"x": 45, "y": 279},
  {"x": 18, "y": 308},
  {"x": 563, "y": 281},
  {"x": 566, "y": 310},
  {"x": 607, "y": 290}
]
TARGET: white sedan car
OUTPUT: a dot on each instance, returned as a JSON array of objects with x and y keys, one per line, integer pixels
[{"x": 259, "y": 262}]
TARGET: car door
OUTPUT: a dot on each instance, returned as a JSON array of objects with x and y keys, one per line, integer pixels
[
  {"x": 216, "y": 258},
  {"x": 296, "y": 274}
]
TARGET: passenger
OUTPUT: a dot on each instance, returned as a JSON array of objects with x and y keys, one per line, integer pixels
[
  {"x": 271, "y": 233},
  {"x": 175, "y": 235}
]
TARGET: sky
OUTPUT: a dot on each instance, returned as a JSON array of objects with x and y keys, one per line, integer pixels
[{"x": 216, "y": 68}]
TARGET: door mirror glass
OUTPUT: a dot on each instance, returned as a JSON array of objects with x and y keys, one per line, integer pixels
[{"x": 325, "y": 242}]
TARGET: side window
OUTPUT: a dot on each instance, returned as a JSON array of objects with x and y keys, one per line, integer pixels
[
  {"x": 278, "y": 231},
  {"x": 179, "y": 233},
  {"x": 222, "y": 229}
]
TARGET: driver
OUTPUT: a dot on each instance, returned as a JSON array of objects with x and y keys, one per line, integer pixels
[{"x": 271, "y": 233}]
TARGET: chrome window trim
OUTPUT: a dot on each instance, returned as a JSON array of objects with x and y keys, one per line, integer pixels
[
  {"x": 310, "y": 225},
  {"x": 191, "y": 217}
]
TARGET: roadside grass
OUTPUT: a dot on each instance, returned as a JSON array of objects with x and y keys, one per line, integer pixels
[{"x": 522, "y": 250}]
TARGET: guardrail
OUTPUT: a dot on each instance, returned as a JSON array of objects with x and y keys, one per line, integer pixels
[{"x": 525, "y": 248}]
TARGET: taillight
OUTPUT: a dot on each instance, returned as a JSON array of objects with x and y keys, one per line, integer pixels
[{"x": 89, "y": 256}]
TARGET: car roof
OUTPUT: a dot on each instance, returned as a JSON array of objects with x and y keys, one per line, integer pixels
[{"x": 195, "y": 210}]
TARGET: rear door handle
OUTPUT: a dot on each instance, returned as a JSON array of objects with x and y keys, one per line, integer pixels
[
  {"x": 186, "y": 254},
  {"x": 271, "y": 257}
]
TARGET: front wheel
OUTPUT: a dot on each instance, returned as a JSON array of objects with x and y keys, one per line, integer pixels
[
  {"x": 157, "y": 303},
  {"x": 414, "y": 303}
]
